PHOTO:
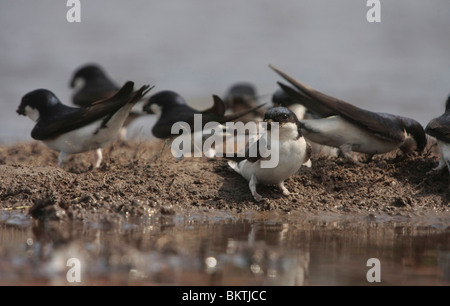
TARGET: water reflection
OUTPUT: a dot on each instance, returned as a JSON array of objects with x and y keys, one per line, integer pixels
[{"x": 179, "y": 251}]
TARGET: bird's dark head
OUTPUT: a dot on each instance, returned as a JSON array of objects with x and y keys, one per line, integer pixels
[
  {"x": 163, "y": 100},
  {"x": 242, "y": 89},
  {"x": 281, "y": 115},
  {"x": 286, "y": 119},
  {"x": 281, "y": 98},
  {"x": 37, "y": 103},
  {"x": 239, "y": 92},
  {"x": 87, "y": 73}
]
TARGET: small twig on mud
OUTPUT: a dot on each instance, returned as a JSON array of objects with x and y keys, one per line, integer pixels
[
  {"x": 104, "y": 179},
  {"x": 171, "y": 183},
  {"x": 91, "y": 175},
  {"x": 158, "y": 156}
]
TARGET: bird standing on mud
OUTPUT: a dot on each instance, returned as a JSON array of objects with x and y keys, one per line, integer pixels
[
  {"x": 71, "y": 130},
  {"x": 352, "y": 129},
  {"x": 172, "y": 109},
  {"x": 91, "y": 83},
  {"x": 292, "y": 150}
]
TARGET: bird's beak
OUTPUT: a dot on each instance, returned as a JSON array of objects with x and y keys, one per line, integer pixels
[{"x": 21, "y": 111}]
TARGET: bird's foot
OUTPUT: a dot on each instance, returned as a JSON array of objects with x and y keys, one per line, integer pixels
[
  {"x": 283, "y": 189},
  {"x": 257, "y": 197},
  {"x": 98, "y": 157},
  {"x": 441, "y": 166}
]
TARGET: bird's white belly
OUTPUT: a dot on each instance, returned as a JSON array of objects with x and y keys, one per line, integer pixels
[
  {"x": 292, "y": 155},
  {"x": 84, "y": 139},
  {"x": 80, "y": 140},
  {"x": 334, "y": 131},
  {"x": 444, "y": 148}
]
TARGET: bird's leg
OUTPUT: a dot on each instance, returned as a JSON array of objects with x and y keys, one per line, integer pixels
[
  {"x": 252, "y": 185},
  {"x": 123, "y": 134},
  {"x": 62, "y": 157},
  {"x": 283, "y": 189},
  {"x": 98, "y": 157},
  {"x": 346, "y": 150},
  {"x": 369, "y": 158},
  {"x": 442, "y": 164}
]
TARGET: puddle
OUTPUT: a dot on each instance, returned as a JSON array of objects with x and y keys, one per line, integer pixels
[{"x": 223, "y": 250}]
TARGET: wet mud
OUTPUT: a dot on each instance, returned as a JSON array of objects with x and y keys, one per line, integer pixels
[{"x": 145, "y": 218}]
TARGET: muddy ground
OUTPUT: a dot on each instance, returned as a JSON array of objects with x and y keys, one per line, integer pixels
[
  {"x": 145, "y": 218},
  {"x": 141, "y": 177}
]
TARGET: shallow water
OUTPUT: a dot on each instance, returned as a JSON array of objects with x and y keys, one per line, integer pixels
[{"x": 219, "y": 249}]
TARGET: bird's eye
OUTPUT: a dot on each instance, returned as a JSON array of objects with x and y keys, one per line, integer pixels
[{"x": 285, "y": 116}]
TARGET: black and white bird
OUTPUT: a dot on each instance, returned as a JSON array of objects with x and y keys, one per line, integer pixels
[
  {"x": 352, "y": 129},
  {"x": 172, "y": 108},
  {"x": 71, "y": 130},
  {"x": 292, "y": 150},
  {"x": 242, "y": 96},
  {"x": 439, "y": 128},
  {"x": 91, "y": 83}
]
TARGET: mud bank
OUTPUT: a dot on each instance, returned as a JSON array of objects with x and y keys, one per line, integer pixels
[
  {"x": 139, "y": 177},
  {"x": 145, "y": 218}
]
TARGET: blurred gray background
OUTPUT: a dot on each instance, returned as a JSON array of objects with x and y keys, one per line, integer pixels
[{"x": 201, "y": 47}]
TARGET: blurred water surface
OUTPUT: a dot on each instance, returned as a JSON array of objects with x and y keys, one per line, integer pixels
[
  {"x": 199, "y": 48},
  {"x": 196, "y": 249}
]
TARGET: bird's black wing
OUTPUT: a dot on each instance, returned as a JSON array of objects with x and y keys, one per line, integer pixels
[
  {"x": 386, "y": 127},
  {"x": 85, "y": 98},
  {"x": 182, "y": 113},
  {"x": 321, "y": 109},
  {"x": 74, "y": 118},
  {"x": 254, "y": 151}
]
